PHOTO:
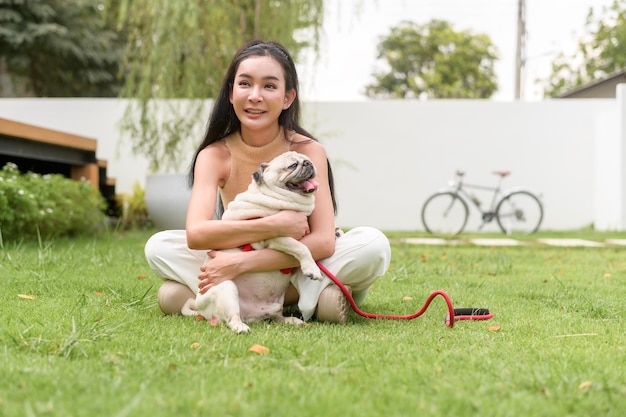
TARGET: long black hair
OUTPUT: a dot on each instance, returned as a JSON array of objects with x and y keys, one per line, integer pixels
[{"x": 223, "y": 121}]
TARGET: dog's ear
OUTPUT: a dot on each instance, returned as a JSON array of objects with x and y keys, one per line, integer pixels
[{"x": 258, "y": 175}]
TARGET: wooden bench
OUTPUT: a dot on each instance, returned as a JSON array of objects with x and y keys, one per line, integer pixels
[{"x": 46, "y": 151}]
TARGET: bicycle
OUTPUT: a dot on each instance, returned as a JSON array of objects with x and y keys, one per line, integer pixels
[{"x": 446, "y": 212}]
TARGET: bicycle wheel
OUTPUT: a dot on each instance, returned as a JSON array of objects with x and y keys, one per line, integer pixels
[
  {"x": 445, "y": 213},
  {"x": 519, "y": 212}
]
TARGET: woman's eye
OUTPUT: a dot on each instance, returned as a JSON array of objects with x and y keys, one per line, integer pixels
[
  {"x": 243, "y": 83},
  {"x": 271, "y": 86}
]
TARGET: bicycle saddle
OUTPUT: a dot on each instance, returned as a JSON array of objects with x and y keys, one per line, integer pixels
[{"x": 502, "y": 173}]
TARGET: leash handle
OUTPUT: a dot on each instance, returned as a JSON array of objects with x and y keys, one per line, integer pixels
[{"x": 472, "y": 314}]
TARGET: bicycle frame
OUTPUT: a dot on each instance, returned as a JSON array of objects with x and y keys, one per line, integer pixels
[
  {"x": 516, "y": 210},
  {"x": 459, "y": 187}
]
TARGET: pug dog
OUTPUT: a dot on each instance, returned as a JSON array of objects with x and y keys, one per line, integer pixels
[{"x": 285, "y": 183}]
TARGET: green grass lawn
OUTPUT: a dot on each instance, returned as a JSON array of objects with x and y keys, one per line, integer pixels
[{"x": 81, "y": 335}]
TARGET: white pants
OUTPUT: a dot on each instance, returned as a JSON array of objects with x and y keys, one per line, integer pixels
[{"x": 361, "y": 256}]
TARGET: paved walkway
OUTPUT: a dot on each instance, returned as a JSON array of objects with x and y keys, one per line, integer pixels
[{"x": 513, "y": 242}]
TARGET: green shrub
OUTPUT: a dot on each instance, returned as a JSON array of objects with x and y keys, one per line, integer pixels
[
  {"x": 133, "y": 209},
  {"x": 47, "y": 205}
]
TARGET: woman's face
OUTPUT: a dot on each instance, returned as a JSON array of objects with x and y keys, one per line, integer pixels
[{"x": 259, "y": 93}]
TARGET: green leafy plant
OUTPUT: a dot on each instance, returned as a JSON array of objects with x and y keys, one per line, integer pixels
[
  {"x": 81, "y": 49},
  {"x": 433, "y": 60},
  {"x": 600, "y": 52},
  {"x": 133, "y": 209},
  {"x": 46, "y": 205}
]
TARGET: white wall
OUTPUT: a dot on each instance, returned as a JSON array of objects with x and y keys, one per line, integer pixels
[
  {"x": 94, "y": 118},
  {"x": 388, "y": 156}
]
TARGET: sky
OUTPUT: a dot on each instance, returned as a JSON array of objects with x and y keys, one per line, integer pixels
[{"x": 353, "y": 29}]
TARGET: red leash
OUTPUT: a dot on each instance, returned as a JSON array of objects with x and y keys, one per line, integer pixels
[{"x": 459, "y": 314}]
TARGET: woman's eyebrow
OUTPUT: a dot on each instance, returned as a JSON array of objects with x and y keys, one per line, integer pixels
[{"x": 267, "y": 77}]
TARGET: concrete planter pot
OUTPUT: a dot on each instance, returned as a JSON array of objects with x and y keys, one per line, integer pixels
[{"x": 167, "y": 198}]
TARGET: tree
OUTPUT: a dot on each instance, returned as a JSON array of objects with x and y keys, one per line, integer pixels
[
  {"x": 59, "y": 48},
  {"x": 600, "y": 53},
  {"x": 434, "y": 61},
  {"x": 182, "y": 49}
]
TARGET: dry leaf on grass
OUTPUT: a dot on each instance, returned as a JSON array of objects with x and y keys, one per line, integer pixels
[
  {"x": 607, "y": 275},
  {"x": 493, "y": 328},
  {"x": 26, "y": 296},
  {"x": 194, "y": 345},
  {"x": 99, "y": 294},
  {"x": 142, "y": 276},
  {"x": 407, "y": 298},
  {"x": 260, "y": 349},
  {"x": 584, "y": 386}
]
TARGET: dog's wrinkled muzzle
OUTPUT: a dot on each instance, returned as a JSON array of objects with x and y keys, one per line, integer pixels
[{"x": 303, "y": 178}]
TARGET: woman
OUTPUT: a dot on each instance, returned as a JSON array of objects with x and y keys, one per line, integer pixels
[{"x": 255, "y": 118}]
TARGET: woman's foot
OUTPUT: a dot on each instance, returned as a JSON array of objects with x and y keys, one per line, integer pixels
[
  {"x": 332, "y": 306},
  {"x": 172, "y": 296}
]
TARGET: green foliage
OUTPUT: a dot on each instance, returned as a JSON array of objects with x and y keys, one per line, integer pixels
[
  {"x": 601, "y": 52},
  {"x": 33, "y": 205},
  {"x": 434, "y": 61},
  {"x": 133, "y": 209},
  {"x": 182, "y": 49},
  {"x": 60, "y": 48}
]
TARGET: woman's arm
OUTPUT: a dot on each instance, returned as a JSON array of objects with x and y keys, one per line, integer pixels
[
  {"x": 321, "y": 240},
  {"x": 211, "y": 170},
  {"x": 318, "y": 234}
]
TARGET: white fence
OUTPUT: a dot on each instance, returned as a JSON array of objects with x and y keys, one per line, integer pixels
[{"x": 388, "y": 156}]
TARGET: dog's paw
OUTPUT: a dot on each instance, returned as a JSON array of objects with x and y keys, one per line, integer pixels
[
  {"x": 189, "y": 308},
  {"x": 294, "y": 321},
  {"x": 237, "y": 325},
  {"x": 312, "y": 272},
  {"x": 316, "y": 276},
  {"x": 240, "y": 328}
]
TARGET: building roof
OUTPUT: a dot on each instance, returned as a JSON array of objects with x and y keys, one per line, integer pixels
[{"x": 603, "y": 88}]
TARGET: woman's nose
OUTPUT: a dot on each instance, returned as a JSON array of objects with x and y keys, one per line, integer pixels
[{"x": 255, "y": 94}]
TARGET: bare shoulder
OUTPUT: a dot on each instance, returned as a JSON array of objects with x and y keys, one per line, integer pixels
[
  {"x": 214, "y": 158},
  {"x": 217, "y": 150},
  {"x": 307, "y": 146}
]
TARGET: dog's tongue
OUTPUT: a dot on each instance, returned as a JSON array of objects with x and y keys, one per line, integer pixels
[{"x": 309, "y": 185}]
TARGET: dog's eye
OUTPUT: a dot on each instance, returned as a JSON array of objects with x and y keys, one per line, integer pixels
[{"x": 293, "y": 166}]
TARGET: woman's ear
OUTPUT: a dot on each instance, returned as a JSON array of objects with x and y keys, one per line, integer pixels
[
  {"x": 258, "y": 174},
  {"x": 290, "y": 96}
]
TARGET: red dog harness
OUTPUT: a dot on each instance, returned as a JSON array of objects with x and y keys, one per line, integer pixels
[{"x": 248, "y": 247}]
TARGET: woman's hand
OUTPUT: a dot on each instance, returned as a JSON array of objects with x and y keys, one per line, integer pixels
[
  {"x": 290, "y": 223},
  {"x": 221, "y": 266}
]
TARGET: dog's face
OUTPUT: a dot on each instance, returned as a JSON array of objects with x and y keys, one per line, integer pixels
[{"x": 291, "y": 170}]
